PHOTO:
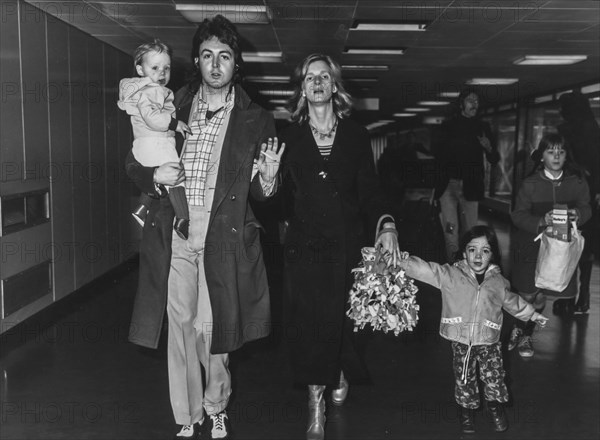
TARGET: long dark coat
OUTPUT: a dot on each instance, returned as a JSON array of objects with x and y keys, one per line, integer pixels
[
  {"x": 233, "y": 261},
  {"x": 327, "y": 205}
]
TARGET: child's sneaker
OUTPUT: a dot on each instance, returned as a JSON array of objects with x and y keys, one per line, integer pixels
[
  {"x": 515, "y": 337},
  {"x": 140, "y": 214},
  {"x": 526, "y": 347}
]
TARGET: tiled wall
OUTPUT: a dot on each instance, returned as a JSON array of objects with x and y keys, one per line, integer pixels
[{"x": 61, "y": 131}]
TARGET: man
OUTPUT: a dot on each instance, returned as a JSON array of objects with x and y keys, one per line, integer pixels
[
  {"x": 464, "y": 142},
  {"x": 216, "y": 281}
]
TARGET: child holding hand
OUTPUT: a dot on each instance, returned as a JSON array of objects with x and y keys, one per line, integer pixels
[
  {"x": 150, "y": 104},
  {"x": 474, "y": 292}
]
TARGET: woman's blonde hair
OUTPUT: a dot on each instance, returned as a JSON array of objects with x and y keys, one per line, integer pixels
[{"x": 342, "y": 101}]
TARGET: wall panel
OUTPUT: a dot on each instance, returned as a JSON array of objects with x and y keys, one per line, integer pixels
[
  {"x": 97, "y": 168},
  {"x": 35, "y": 93},
  {"x": 113, "y": 188},
  {"x": 74, "y": 145},
  {"x": 80, "y": 151},
  {"x": 11, "y": 124},
  {"x": 61, "y": 187}
]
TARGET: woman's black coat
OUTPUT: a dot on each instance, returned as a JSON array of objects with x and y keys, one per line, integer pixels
[{"x": 328, "y": 203}]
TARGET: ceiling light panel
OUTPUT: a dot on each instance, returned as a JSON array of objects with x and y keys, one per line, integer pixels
[
  {"x": 436, "y": 103},
  {"x": 549, "y": 60},
  {"x": 236, "y": 13},
  {"x": 492, "y": 81},
  {"x": 268, "y": 78},
  {"x": 365, "y": 67},
  {"x": 388, "y": 26},
  {"x": 262, "y": 57},
  {"x": 374, "y": 51}
]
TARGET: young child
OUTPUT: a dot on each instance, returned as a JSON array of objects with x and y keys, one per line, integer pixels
[
  {"x": 474, "y": 292},
  {"x": 150, "y": 105},
  {"x": 555, "y": 179}
]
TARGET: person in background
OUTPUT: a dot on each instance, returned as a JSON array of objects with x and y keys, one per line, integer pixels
[
  {"x": 582, "y": 134},
  {"x": 213, "y": 285},
  {"x": 474, "y": 293},
  {"x": 464, "y": 142},
  {"x": 554, "y": 180},
  {"x": 330, "y": 185}
]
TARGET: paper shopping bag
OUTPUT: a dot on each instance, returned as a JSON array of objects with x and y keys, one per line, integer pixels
[{"x": 557, "y": 261}]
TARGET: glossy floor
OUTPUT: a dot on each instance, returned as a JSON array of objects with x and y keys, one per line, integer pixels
[{"x": 71, "y": 374}]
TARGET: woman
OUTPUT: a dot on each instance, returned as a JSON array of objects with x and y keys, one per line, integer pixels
[
  {"x": 329, "y": 185},
  {"x": 554, "y": 180}
]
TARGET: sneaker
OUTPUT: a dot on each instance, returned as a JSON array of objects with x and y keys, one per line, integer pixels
[
  {"x": 187, "y": 432},
  {"x": 526, "y": 347},
  {"x": 219, "y": 425},
  {"x": 515, "y": 337}
]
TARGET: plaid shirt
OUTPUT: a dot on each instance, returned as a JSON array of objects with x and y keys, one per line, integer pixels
[{"x": 199, "y": 146}]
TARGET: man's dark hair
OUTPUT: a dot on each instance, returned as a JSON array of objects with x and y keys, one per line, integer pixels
[{"x": 224, "y": 30}]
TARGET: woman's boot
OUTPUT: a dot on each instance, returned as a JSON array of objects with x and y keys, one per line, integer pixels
[
  {"x": 466, "y": 420},
  {"x": 338, "y": 396},
  {"x": 316, "y": 413}
]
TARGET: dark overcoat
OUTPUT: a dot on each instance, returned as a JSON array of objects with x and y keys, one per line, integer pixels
[
  {"x": 328, "y": 204},
  {"x": 233, "y": 260}
]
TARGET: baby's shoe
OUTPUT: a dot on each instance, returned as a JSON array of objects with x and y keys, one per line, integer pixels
[{"x": 181, "y": 227}]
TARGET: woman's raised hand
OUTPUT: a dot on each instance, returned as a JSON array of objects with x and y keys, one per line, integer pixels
[{"x": 270, "y": 159}]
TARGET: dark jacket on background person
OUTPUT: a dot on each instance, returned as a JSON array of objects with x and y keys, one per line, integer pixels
[
  {"x": 460, "y": 154},
  {"x": 233, "y": 261}
]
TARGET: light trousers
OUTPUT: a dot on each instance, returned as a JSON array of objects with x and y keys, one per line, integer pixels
[
  {"x": 457, "y": 215},
  {"x": 190, "y": 331}
]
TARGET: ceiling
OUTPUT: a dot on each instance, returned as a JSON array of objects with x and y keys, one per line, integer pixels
[{"x": 463, "y": 39}]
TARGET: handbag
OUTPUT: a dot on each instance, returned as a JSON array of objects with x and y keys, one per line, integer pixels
[
  {"x": 557, "y": 260},
  {"x": 381, "y": 295}
]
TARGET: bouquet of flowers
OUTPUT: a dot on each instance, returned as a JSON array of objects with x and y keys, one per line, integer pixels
[{"x": 382, "y": 295}]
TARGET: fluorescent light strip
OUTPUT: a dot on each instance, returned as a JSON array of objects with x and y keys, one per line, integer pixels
[
  {"x": 433, "y": 103},
  {"x": 262, "y": 57},
  {"x": 393, "y": 27},
  {"x": 590, "y": 89},
  {"x": 404, "y": 115},
  {"x": 364, "y": 80},
  {"x": 433, "y": 120},
  {"x": 276, "y": 92},
  {"x": 549, "y": 60},
  {"x": 449, "y": 94},
  {"x": 492, "y": 81},
  {"x": 358, "y": 51},
  {"x": 268, "y": 78},
  {"x": 364, "y": 67},
  {"x": 278, "y": 101},
  {"x": 246, "y": 14},
  {"x": 416, "y": 109}
]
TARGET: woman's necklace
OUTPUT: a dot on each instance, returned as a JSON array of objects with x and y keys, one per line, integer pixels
[{"x": 322, "y": 136}]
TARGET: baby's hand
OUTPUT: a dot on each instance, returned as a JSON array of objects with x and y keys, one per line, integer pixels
[
  {"x": 540, "y": 319},
  {"x": 183, "y": 128}
]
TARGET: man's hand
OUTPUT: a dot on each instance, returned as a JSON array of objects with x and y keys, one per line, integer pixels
[
  {"x": 170, "y": 174},
  {"x": 270, "y": 159}
]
